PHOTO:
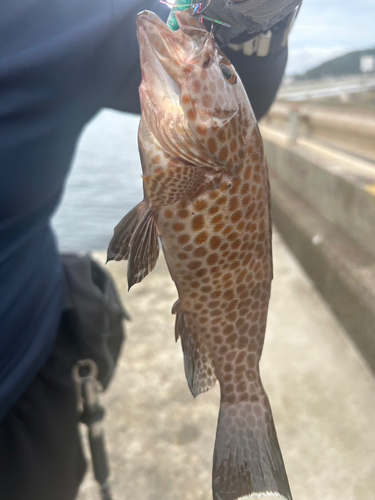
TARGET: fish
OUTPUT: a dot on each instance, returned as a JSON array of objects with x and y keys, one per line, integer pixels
[{"x": 207, "y": 198}]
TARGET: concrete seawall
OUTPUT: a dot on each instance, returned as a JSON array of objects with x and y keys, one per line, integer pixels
[{"x": 324, "y": 206}]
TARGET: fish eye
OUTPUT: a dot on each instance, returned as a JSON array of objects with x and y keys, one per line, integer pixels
[{"x": 228, "y": 73}]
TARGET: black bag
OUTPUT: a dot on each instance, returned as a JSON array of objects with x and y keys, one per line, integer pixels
[{"x": 93, "y": 313}]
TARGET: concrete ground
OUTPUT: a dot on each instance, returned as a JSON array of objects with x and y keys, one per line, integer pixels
[{"x": 160, "y": 439}]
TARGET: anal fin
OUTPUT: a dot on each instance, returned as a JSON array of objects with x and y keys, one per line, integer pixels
[
  {"x": 143, "y": 248},
  {"x": 118, "y": 248},
  {"x": 199, "y": 369}
]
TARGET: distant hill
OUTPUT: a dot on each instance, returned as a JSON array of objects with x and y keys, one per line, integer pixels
[{"x": 347, "y": 64}]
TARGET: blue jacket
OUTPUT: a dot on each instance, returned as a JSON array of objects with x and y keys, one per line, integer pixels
[{"x": 60, "y": 62}]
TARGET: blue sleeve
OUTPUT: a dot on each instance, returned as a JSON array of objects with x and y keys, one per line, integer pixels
[
  {"x": 88, "y": 48},
  {"x": 61, "y": 61},
  {"x": 116, "y": 66}
]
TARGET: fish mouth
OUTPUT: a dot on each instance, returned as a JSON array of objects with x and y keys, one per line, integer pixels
[
  {"x": 158, "y": 56},
  {"x": 153, "y": 26}
]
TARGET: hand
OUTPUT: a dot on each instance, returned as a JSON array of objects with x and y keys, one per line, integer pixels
[{"x": 246, "y": 17}]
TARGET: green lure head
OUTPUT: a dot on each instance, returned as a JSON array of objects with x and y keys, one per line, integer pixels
[{"x": 179, "y": 5}]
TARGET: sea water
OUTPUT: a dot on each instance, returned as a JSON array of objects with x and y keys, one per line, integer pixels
[{"x": 105, "y": 182}]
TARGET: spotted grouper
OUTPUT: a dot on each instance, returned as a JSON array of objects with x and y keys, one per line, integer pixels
[{"x": 206, "y": 195}]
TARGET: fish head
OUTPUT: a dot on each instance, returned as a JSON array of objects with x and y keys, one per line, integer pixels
[{"x": 193, "y": 100}]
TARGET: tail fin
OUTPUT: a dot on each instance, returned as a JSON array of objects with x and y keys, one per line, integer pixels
[{"x": 247, "y": 458}]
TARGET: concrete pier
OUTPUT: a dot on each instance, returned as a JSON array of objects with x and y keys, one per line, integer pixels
[
  {"x": 160, "y": 439},
  {"x": 324, "y": 206}
]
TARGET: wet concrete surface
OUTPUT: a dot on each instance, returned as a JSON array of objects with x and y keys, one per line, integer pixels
[{"x": 160, "y": 439}]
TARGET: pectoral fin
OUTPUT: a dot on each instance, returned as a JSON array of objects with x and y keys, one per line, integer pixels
[
  {"x": 118, "y": 248},
  {"x": 143, "y": 248}
]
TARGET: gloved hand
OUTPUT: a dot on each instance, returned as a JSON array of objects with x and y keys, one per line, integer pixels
[{"x": 246, "y": 17}]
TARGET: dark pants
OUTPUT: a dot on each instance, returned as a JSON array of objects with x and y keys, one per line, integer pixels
[{"x": 40, "y": 451}]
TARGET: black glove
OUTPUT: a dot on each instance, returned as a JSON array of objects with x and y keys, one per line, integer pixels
[
  {"x": 256, "y": 42},
  {"x": 248, "y": 17}
]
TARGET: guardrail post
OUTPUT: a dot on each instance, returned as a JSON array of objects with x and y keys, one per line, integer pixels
[{"x": 293, "y": 124}]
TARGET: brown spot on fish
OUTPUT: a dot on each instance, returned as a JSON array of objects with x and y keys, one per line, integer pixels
[
  {"x": 236, "y": 244},
  {"x": 201, "y": 238},
  {"x": 224, "y": 152},
  {"x": 195, "y": 264},
  {"x": 227, "y": 277},
  {"x": 200, "y": 205},
  {"x": 248, "y": 173},
  {"x": 201, "y": 130},
  {"x": 200, "y": 252},
  {"x": 246, "y": 201},
  {"x": 232, "y": 236},
  {"x": 221, "y": 135},
  {"x": 222, "y": 200},
  {"x": 257, "y": 179},
  {"x": 201, "y": 272},
  {"x": 197, "y": 222},
  {"x": 219, "y": 227},
  {"x": 213, "y": 210},
  {"x": 218, "y": 218},
  {"x": 183, "y": 214},
  {"x": 191, "y": 114},
  {"x": 212, "y": 146},
  {"x": 233, "y": 203},
  {"x": 236, "y": 216},
  {"x": 183, "y": 239},
  {"x": 178, "y": 226},
  {"x": 245, "y": 188},
  {"x": 168, "y": 213},
  {"x": 215, "y": 242},
  {"x": 212, "y": 259},
  {"x": 196, "y": 86},
  {"x": 213, "y": 195}
]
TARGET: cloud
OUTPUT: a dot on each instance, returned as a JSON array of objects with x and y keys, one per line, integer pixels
[
  {"x": 303, "y": 59},
  {"x": 328, "y": 28}
]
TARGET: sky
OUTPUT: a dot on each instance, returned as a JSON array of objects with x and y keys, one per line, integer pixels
[{"x": 328, "y": 28}]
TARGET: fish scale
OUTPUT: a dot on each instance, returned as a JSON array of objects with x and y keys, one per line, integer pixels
[{"x": 207, "y": 197}]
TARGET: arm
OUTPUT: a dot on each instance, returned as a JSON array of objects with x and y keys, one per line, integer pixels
[
  {"x": 260, "y": 29},
  {"x": 119, "y": 57}
]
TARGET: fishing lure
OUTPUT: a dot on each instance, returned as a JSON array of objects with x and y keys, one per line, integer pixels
[{"x": 197, "y": 10}]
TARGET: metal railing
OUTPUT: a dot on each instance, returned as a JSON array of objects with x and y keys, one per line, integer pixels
[{"x": 349, "y": 130}]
